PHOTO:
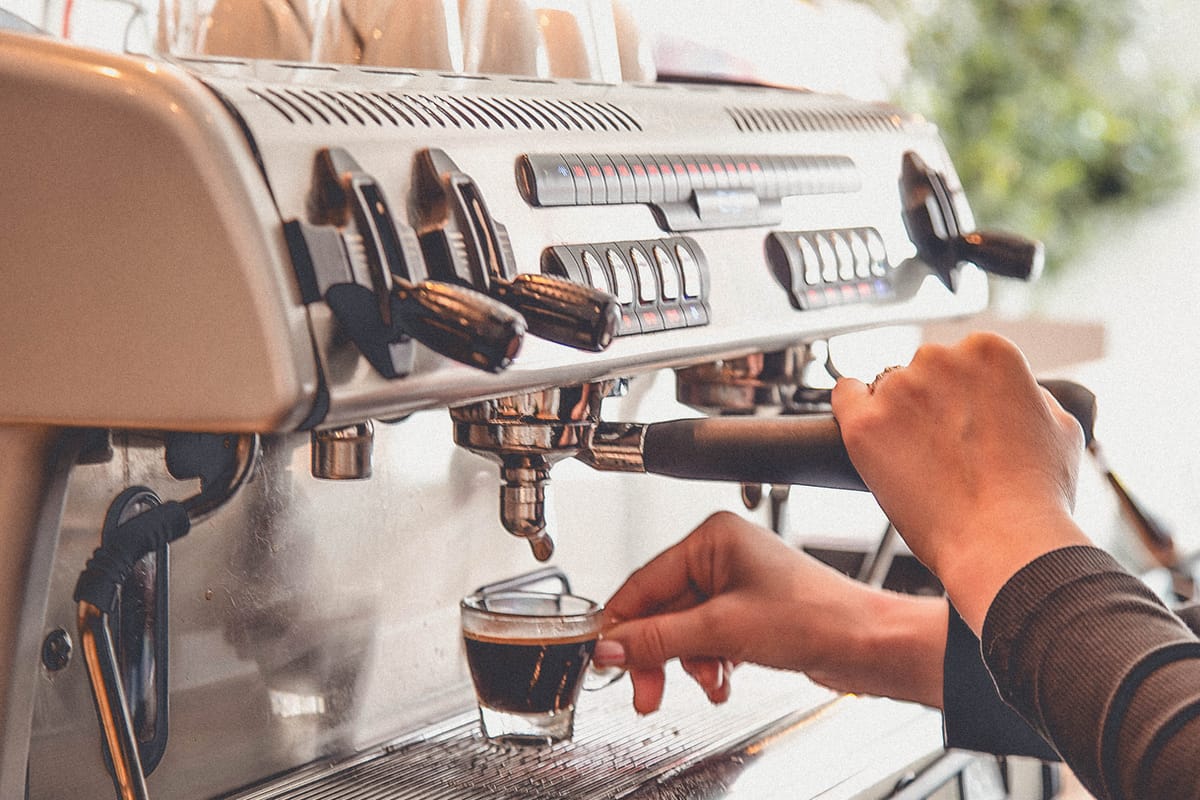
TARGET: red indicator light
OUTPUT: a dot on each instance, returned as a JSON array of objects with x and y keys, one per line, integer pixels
[{"x": 580, "y": 172}]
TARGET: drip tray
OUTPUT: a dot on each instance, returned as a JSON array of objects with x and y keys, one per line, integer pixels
[{"x": 688, "y": 749}]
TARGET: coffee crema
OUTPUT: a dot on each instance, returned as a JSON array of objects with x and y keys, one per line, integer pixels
[{"x": 524, "y": 676}]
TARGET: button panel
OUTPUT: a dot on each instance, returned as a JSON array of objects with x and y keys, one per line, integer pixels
[
  {"x": 661, "y": 284},
  {"x": 831, "y": 267}
]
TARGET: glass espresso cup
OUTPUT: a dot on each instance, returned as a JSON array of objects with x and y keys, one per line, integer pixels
[{"x": 529, "y": 654}]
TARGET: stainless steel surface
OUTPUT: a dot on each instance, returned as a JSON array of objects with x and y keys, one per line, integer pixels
[
  {"x": 225, "y": 340},
  {"x": 687, "y": 749}
]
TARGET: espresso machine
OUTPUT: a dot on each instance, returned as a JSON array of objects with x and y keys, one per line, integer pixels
[{"x": 296, "y": 355}]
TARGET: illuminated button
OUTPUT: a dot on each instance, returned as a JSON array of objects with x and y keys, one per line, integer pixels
[
  {"x": 628, "y": 323},
  {"x": 695, "y": 312},
  {"x": 845, "y": 257},
  {"x": 862, "y": 256},
  {"x": 647, "y": 283},
  {"x": 668, "y": 273},
  {"x": 693, "y": 281},
  {"x": 828, "y": 259},
  {"x": 595, "y": 271},
  {"x": 651, "y": 320},
  {"x": 812, "y": 261},
  {"x": 623, "y": 278},
  {"x": 879, "y": 262},
  {"x": 673, "y": 317}
]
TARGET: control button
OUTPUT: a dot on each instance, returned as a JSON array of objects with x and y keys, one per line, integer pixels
[
  {"x": 683, "y": 181},
  {"x": 560, "y": 262},
  {"x": 693, "y": 280},
  {"x": 641, "y": 180},
  {"x": 716, "y": 168},
  {"x": 845, "y": 256},
  {"x": 879, "y": 261},
  {"x": 828, "y": 258},
  {"x": 594, "y": 270},
  {"x": 595, "y": 180},
  {"x": 695, "y": 312},
  {"x": 579, "y": 174},
  {"x": 628, "y": 323},
  {"x": 625, "y": 179},
  {"x": 622, "y": 277},
  {"x": 673, "y": 317},
  {"x": 671, "y": 181},
  {"x": 667, "y": 272},
  {"x": 653, "y": 177},
  {"x": 862, "y": 256},
  {"x": 612, "y": 183},
  {"x": 546, "y": 180},
  {"x": 651, "y": 320},
  {"x": 812, "y": 261},
  {"x": 647, "y": 283}
]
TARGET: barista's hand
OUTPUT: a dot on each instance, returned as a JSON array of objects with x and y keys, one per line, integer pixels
[
  {"x": 733, "y": 592},
  {"x": 972, "y": 461}
]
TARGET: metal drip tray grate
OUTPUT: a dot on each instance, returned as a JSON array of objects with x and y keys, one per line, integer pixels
[{"x": 614, "y": 754}]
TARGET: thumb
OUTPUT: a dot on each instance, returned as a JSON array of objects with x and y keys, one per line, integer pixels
[{"x": 652, "y": 641}]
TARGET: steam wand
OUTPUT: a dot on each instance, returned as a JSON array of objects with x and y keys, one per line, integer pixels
[{"x": 802, "y": 450}]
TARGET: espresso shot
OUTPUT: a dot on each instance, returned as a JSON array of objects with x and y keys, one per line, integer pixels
[
  {"x": 528, "y": 676},
  {"x": 528, "y": 653}
]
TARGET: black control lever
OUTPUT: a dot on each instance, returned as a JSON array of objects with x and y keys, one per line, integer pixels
[
  {"x": 935, "y": 230},
  {"x": 455, "y": 321},
  {"x": 804, "y": 449},
  {"x": 464, "y": 244}
]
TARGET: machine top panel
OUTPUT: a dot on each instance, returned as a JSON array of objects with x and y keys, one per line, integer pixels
[{"x": 216, "y": 244}]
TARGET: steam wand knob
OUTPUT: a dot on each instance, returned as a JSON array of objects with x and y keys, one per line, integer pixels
[
  {"x": 935, "y": 229},
  {"x": 457, "y": 322}
]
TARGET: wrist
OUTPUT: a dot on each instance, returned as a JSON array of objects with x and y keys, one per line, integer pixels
[
  {"x": 994, "y": 549},
  {"x": 911, "y": 627}
]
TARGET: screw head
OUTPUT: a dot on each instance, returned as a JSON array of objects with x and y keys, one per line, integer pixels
[{"x": 56, "y": 650}]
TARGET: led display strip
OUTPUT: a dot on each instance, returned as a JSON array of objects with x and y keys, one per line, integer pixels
[{"x": 688, "y": 191}]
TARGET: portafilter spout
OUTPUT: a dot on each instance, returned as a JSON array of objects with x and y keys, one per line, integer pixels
[
  {"x": 527, "y": 434},
  {"x": 804, "y": 449}
]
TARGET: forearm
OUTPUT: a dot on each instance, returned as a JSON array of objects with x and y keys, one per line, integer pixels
[
  {"x": 1091, "y": 658},
  {"x": 896, "y": 651}
]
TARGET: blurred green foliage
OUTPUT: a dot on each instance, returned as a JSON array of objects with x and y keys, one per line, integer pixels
[{"x": 1052, "y": 114}]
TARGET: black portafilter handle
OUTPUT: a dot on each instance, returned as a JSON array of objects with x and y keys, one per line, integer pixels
[
  {"x": 459, "y": 323},
  {"x": 562, "y": 311},
  {"x": 801, "y": 450}
]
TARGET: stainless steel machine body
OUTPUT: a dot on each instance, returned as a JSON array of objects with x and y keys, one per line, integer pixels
[{"x": 157, "y": 218}]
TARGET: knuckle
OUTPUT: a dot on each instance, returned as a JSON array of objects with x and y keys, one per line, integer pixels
[{"x": 650, "y": 645}]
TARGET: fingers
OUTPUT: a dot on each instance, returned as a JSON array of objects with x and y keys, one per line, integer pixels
[
  {"x": 712, "y": 675},
  {"x": 653, "y": 641},
  {"x": 662, "y": 583},
  {"x": 647, "y": 689}
]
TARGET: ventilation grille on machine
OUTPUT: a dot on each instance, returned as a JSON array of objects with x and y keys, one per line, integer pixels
[
  {"x": 776, "y": 120},
  {"x": 334, "y": 107}
]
